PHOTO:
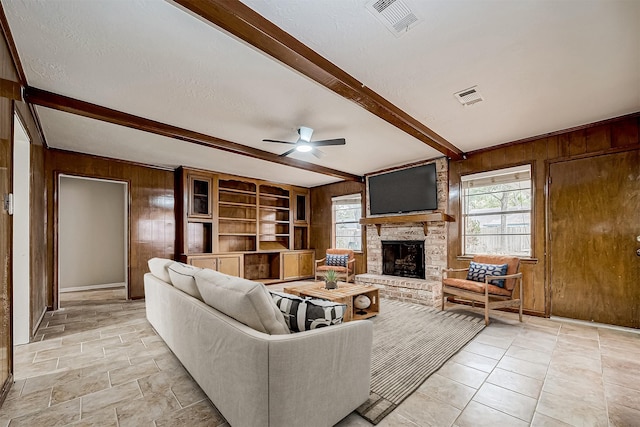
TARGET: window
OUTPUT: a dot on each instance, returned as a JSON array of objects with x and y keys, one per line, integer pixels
[
  {"x": 347, "y": 232},
  {"x": 496, "y": 212}
]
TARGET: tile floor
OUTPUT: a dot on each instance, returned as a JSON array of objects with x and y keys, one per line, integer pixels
[{"x": 98, "y": 362}]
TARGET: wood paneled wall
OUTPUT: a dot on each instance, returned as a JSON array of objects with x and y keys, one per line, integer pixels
[
  {"x": 584, "y": 142},
  {"x": 152, "y": 231},
  {"x": 321, "y": 218},
  {"x": 39, "y": 289}
]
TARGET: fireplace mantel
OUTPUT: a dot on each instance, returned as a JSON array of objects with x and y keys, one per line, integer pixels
[{"x": 415, "y": 218}]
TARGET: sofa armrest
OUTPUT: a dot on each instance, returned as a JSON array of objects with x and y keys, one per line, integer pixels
[{"x": 318, "y": 377}]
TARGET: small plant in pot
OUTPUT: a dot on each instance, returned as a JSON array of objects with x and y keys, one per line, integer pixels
[{"x": 331, "y": 279}]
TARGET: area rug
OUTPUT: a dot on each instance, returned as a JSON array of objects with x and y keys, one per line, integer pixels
[{"x": 410, "y": 342}]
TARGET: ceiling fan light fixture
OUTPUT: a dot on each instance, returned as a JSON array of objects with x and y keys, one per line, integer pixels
[{"x": 304, "y": 147}]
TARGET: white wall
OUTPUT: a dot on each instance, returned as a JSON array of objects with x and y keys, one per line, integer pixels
[
  {"x": 91, "y": 237},
  {"x": 21, "y": 276}
]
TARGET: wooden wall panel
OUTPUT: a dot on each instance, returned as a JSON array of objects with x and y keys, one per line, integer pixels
[
  {"x": 321, "y": 218},
  {"x": 589, "y": 141},
  {"x": 151, "y": 209},
  {"x": 38, "y": 237}
]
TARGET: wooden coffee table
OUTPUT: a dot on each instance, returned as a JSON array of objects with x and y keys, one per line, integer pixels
[{"x": 344, "y": 294}]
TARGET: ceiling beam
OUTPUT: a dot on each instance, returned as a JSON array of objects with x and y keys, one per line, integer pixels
[
  {"x": 243, "y": 22},
  {"x": 74, "y": 106}
]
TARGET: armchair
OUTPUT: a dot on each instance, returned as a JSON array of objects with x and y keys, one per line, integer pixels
[
  {"x": 486, "y": 291},
  {"x": 342, "y": 261}
]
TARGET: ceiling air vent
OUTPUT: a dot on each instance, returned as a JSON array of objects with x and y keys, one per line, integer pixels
[
  {"x": 469, "y": 96},
  {"x": 394, "y": 14}
]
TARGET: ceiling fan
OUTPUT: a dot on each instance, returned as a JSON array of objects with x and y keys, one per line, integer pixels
[{"x": 305, "y": 145}]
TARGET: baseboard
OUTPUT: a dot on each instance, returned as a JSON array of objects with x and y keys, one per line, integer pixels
[
  {"x": 93, "y": 287},
  {"x": 5, "y": 388}
]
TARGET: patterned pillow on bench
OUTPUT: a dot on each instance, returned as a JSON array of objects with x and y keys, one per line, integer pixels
[
  {"x": 337, "y": 260},
  {"x": 478, "y": 271}
]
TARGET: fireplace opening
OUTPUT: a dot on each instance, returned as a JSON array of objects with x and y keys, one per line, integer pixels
[{"x": 404, "y": 258}]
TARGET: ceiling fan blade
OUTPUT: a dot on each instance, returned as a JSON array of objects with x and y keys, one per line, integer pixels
[
  {"x": 338, "y": 141},
  {"x": 286, "y": 153},
  {"x": 275, "y": 140},
  {"x": 319, "y": 154}
]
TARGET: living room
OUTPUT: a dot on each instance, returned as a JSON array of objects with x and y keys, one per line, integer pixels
[{"x": 581, "y": 156}]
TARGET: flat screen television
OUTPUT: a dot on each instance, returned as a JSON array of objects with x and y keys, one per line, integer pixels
[{"x": 406, "y": 190}]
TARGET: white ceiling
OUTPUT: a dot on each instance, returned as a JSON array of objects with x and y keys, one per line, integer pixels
[{"x": 541, "y": 66}]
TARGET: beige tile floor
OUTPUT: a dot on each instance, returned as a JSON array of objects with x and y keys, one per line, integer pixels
[{"x": 98, "y": 362}]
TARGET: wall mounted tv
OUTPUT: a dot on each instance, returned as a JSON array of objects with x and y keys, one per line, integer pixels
[{"x": 406, "y": 190}]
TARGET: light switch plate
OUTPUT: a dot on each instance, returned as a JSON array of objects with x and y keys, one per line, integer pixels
[{"x": 8, "y": 203}]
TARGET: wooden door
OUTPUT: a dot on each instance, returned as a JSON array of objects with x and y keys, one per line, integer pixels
[
  {"x": 205, "y": 262},
  {"x": 290, "y": 265},
  {"x": 594, "y": 208},
  {"x": 6, "y": 230},
  {"x": 230, "y": 265},
  {"x": 306, "y": 263}
]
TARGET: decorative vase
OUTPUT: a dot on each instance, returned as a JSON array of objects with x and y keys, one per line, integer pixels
[{"x": 330, "y": 285}]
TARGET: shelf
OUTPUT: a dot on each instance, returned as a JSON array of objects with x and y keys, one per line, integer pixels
[
  {"x": 268, "y": 221},
  {"x": 399, "y": 219},
  {"x": 234, "y": 191},
  {"x": 224, "y": 218},
  {"x": 238, "y": 234},
  {"x": 244, "y": 205},
  {"x": 273, "y": 208}
]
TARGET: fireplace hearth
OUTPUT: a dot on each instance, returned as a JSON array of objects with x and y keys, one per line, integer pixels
[{"x": 403, "y": 258}]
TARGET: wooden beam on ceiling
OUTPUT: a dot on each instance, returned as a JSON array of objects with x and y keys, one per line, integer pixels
[
  {"x": 74, "y": 106},
  {"x": 244, "y": 23}
]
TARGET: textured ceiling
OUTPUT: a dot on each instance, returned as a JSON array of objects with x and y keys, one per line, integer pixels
[{"x": 541, "y": 67}]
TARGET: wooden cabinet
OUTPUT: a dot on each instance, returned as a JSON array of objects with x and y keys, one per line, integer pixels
[
  {"x": 242, "y": 226},
  {"x": 301, "y": 208},
  {"x": 297, "y": 264},
  {"x": 231, "y": 264},
  {"x": 199, "y": 196}
]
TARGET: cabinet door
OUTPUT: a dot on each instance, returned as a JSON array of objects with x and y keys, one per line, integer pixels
[
  {"x": 301, "y": 207},
  {"x": 229, "y": 265},
  {"x": 204, "y": 262},
  {"x": 306, "y": 260},
  {"x": 199, "y": 196},
  {"x": 290, "y": 265}
]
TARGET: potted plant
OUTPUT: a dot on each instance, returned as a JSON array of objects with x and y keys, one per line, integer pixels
[{"x": 330, "y": 279}]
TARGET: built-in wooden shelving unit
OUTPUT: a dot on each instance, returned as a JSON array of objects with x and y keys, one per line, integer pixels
[
  {"x": 415, "y": 218},
  {"x": 246, "y": 227}
]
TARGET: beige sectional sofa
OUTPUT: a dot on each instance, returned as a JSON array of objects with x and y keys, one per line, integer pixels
[{"x": 310, "y": 378}]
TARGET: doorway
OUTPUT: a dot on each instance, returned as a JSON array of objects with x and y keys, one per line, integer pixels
[
  {"x": 92, "y": 240},
  {"x": 594, "y": 227},
  {"x": 21, "y": 234}
]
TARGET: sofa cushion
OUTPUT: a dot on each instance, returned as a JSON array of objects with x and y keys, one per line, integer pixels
[
  {"x": 244, "y": 300},
  {"x": 337, "y": 260},
  {"x": 182, "y": 277},
  {"x": 159, "y": 268},
  {"x": 305, "y": 314},
  {"x": 478, "y": 271}
]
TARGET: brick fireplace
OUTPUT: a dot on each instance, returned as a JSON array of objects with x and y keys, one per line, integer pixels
[{"x": 428, "y": 289}]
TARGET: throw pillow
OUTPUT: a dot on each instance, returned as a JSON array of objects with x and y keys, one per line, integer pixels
[
  {"x": 182, "y": 278},
  {"x": 305, "y": 314},
  {"x": 244, "y": 300},
  {"x": 159, "y": 268},
  {"x": 336, "y": 260},
  {"x": 478, "y": 271}
]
